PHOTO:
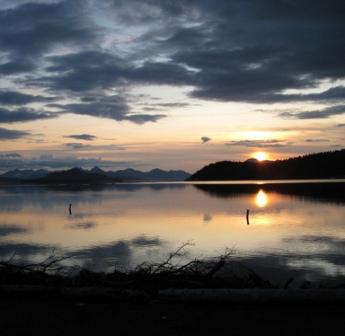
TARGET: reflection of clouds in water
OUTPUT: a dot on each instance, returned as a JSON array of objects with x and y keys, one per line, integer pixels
[
  {"x": 323, "y": 253},
  {"x": 87, "y": 212},
  {"x": 276, "y": 267},
  {"x": 17, "y": 198},
  {"x": 207, "y": 218},
  {"x": 121, "y": 253},
  {"x": 24, "y": 250},
  {"x": 117, "y": 254},
  {"x": 151, "y": 186},
  {"x": 330, "y": 243},
  {"x": 144, "y": 241},
  {"x": 101, "y": 258},
  {"x": 100, "y": 211},
  {"x": 82, "y": 225},
  {"x": 309, "y": 257},
  {"x": 322, "y": 266},
  {"x": 12, "y": 229}
]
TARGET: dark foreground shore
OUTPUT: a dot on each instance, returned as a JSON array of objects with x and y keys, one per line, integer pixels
[
  {"x": 201, "y": 297},
  {"x": 54, "y": 316}
]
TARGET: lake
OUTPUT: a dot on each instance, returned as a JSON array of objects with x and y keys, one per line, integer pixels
[{"x": 294, "y": 228}]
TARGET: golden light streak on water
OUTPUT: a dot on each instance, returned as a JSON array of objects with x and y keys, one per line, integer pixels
[{"x": 261, "y": 199}]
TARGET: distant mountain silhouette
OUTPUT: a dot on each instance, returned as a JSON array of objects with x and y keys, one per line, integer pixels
[
  {"x": 95, "y": 174},
  {"x": 8, "y": 180},
  {"x": 312, "y": 166},
  {"x": 74, "y": 176},
  {"x": 137, "y": 175},
  {"x": 25, "y": 174}
]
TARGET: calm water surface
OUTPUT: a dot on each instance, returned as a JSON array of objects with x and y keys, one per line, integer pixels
[{"x": 290, "y": 233}]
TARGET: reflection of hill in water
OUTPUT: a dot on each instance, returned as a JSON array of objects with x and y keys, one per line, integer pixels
[
  {"x": 121, "y": 187},
  {"x": 15, "y": 198},
  {"x": 321, "y": 192},
  {"x": 90, "y": 187}
]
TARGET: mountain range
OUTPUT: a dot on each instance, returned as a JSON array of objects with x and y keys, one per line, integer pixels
[
  {"x": 94, "y": 175},
  {"x": 137, "y": 175},
  {"x": 25, "y": 174},
  {"x": 312, "y": 166},
  {"x": 74, "y": 176}
]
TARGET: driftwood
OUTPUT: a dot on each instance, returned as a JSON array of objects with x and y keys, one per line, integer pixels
[
  {"x": 50, "y": 264},
  {"x": 221, "y": 279},
  {"x": 220, "y": 272}
]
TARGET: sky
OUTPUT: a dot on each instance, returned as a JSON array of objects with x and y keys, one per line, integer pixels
[{"x": 170, "y": 84}]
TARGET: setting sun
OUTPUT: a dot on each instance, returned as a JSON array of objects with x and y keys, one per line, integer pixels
[{"x": 261, "y": 156}]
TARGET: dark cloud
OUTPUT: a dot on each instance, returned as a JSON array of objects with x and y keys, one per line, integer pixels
[
  {"x": 10, "y": 155},
  {"x": 205, "y": 139},
  {"x": 18, "y": 98},
  {"x": 168, "y": 73},
  {"x": 49, "y": 161},
  {"x": 154, "y": 107},
  {"x": 247, "y": 51},
  {"x": 30, "y": 30},
  {"x": 316, "y": 140},
  {"x": 257, "y": 143},
  {"x": 23, "y": 115},
  {"x": 86, "y": 137},
  {"x": 335, "y": 93},
  {"x": 84, "y": 71},
  {"x": 316, "y": 114},
  {"x": 90, "y": 70},
  {"x": 6, "y": 134},
  {"x": 145, "y": 12},
  {"x": 151, "y": 109},
  {"x": 172, "y": 105},
  {"x": 331, "y": 95},
  {"x": 252, "y": 51},
  {"x": 266, "y": 9},
  {"x": 75, "y": 145},
  {"x": 143, "y": 118},
  {"x": 237, "y": 62},
  {"x": 116, "y": 110},
  {"x": 78, "y": 145},
  {"x": 15, "y": 67}
]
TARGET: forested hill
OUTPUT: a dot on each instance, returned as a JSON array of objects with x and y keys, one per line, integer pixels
[
  {"x": 312, "y": 166},
  {"x": 74, "y": 176}
]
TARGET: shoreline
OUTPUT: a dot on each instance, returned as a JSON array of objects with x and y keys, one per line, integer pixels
[
  {"x": 189, "y": 295},
  {"x": 79, "y": 317}
]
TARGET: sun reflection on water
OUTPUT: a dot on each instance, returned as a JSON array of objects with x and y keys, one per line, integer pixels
[{"x": 261, "y": 199}]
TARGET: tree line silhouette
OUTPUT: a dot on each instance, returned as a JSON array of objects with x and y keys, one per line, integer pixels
[{"x": 312, "y": 166}]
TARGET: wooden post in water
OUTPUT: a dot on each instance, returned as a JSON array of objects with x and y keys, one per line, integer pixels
[
  {"x": 247, "y": 216},
  {"x": 70, "y": 209}
]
